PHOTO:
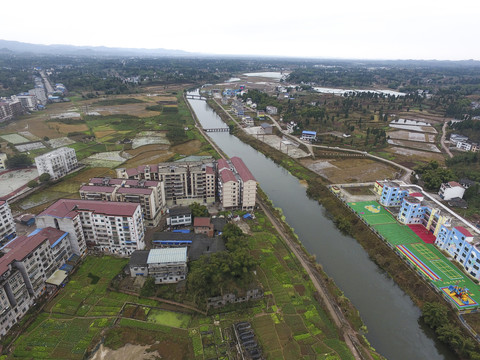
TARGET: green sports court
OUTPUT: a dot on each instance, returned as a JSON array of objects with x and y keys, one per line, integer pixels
[{"x": 425, "y": 257}]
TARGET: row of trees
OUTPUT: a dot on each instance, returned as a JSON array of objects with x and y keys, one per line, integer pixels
[{"x": 435, "y": 315}]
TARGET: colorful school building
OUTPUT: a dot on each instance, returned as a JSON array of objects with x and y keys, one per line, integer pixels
[{"x": 417, "y": 230}]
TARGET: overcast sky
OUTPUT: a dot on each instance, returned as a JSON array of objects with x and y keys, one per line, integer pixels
[{"x": 368, "y": 29}]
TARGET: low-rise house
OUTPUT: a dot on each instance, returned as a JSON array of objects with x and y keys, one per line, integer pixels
[
  {"x": 466, "y": 183},
  {"x": 309, "y": 135},
  {"x": 271, "y": 110},
  {"x": 179, "y": 216},
  {"x": 166, "y": 265},
  {"x": 261, "y": 114},
  {"x": 248, "y": 121},
  {"x": 203, "y": 225},
  {"x": 451, "y": 190}
]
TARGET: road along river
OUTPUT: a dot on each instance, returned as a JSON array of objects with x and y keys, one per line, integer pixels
[{"x": 389, "y": 314}]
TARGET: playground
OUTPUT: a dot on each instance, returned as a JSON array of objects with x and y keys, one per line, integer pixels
[{"x": 415, "y": 244}]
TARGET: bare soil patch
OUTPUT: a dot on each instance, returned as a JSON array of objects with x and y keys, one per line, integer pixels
[
  {"x": 347, "y": 170},
  {"x": 189, "y": 148},
  {"x": 127, "y": 352},
  {"x": 64, "y": 128}
]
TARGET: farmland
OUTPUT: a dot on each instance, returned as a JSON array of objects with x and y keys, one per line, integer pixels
[{"x": 288, "y": 322}]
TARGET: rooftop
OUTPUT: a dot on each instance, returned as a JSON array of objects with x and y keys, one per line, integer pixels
[
  {"x": 226, "y": 175},
  {"x": 18, "y": 248},
  {"x": 463, "y": 231},
  {"x": 180, "y": 210},
  {"x": 202, "y": 221},
  {"x": 140, "y": 191},
  {"x": 139, "y": 258},
  {"x": 98, "y": 188},
  {"x": 167, "y": 255},
  {"x": 242, "y": 169},
  {"x": 68, "y": 208}
]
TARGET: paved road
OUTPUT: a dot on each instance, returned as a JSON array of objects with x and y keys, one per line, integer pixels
[
  {"x": 350, "y": 335},
  {"x": 442, "y": 140}
]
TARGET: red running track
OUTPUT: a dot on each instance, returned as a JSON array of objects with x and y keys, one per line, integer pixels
[{"x": 422, "y": 233}]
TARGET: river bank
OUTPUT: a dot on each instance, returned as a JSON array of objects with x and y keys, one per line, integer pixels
[{"x": 409, "y": 281}]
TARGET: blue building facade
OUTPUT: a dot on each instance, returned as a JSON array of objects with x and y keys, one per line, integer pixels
[
  {"x": 392, "y": 194},
  {"x": 458, "y": 242}
]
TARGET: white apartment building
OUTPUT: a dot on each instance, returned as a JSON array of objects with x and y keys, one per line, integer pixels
[
  {"x": 113, "y": 227},
  {"x": 57, "y": 163},
  {"x": 237, "y": 188},
  {"x": 7, "y": 224},
  {"x": 228, "y": 186},
  {"x": 150, "y": 194},
  {"x": 3, "y": 161},
  {"x": 26, "y": 263},
  {"x": 185, "y": 182}
]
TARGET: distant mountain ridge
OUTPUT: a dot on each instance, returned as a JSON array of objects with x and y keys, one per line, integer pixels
[{"x": 7, "y": 46}]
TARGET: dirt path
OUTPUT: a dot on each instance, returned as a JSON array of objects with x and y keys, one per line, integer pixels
[
  {"x": 442, "y": 140},
  {"x": 350, "y": 335}
]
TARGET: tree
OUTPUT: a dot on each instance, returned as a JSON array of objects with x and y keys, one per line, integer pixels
[
  {"x": 18, "y": 161},
  {"x": 148, "y": 288},
  {"x": 434, "y": 314},
  {"x": 199, "y": 210},
  {"x": 44, "y": 177},
  {"x": 32, "y": 184}
]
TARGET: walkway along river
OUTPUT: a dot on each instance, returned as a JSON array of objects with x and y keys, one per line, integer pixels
[{"x": 389, "y": 314}]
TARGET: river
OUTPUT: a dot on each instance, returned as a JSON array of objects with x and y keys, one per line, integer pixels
[{"x": 391, "y": 317}]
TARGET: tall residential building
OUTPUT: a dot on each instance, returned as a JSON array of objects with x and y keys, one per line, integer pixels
[
  {"x": 3, "y": 161},
  {"x": 184, "y": 182},
  {"x": 247, "y": 185},
  {"x": 26, "y": 262},
  {"x": 7, "y": 224},
  {"x": 228, "y": 186},
  {"x": 57, "y": 163},
  {"x": 237, "y": 188},
  {"x": 113, "y": 227},
  {"x": 149, "y": 194},
  {"x": 28, "y": 101},
  {"x": 5, "y": 111}
]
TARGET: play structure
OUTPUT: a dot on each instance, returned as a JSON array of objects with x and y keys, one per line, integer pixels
[{"x": 460, "y": 292}]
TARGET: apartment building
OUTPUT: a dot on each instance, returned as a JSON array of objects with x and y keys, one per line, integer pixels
[
  {"x": 184, "y": 182},
  {"x": 166, "y": 265},
  {"x": 113, "y": 227},
  {"x": 5, "y": 111},
  {"x": 228, "y": 186},
  {"x": 57, "y": 163},
  {"x": 247, "y": 184},
  {"x": 7, "y": 224},
  {"x": 26, "y": 263},
  {"x": 237, "y": 188},
  {"x": 150, "y": 194},
  {"x": 3, "y": 161}
]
